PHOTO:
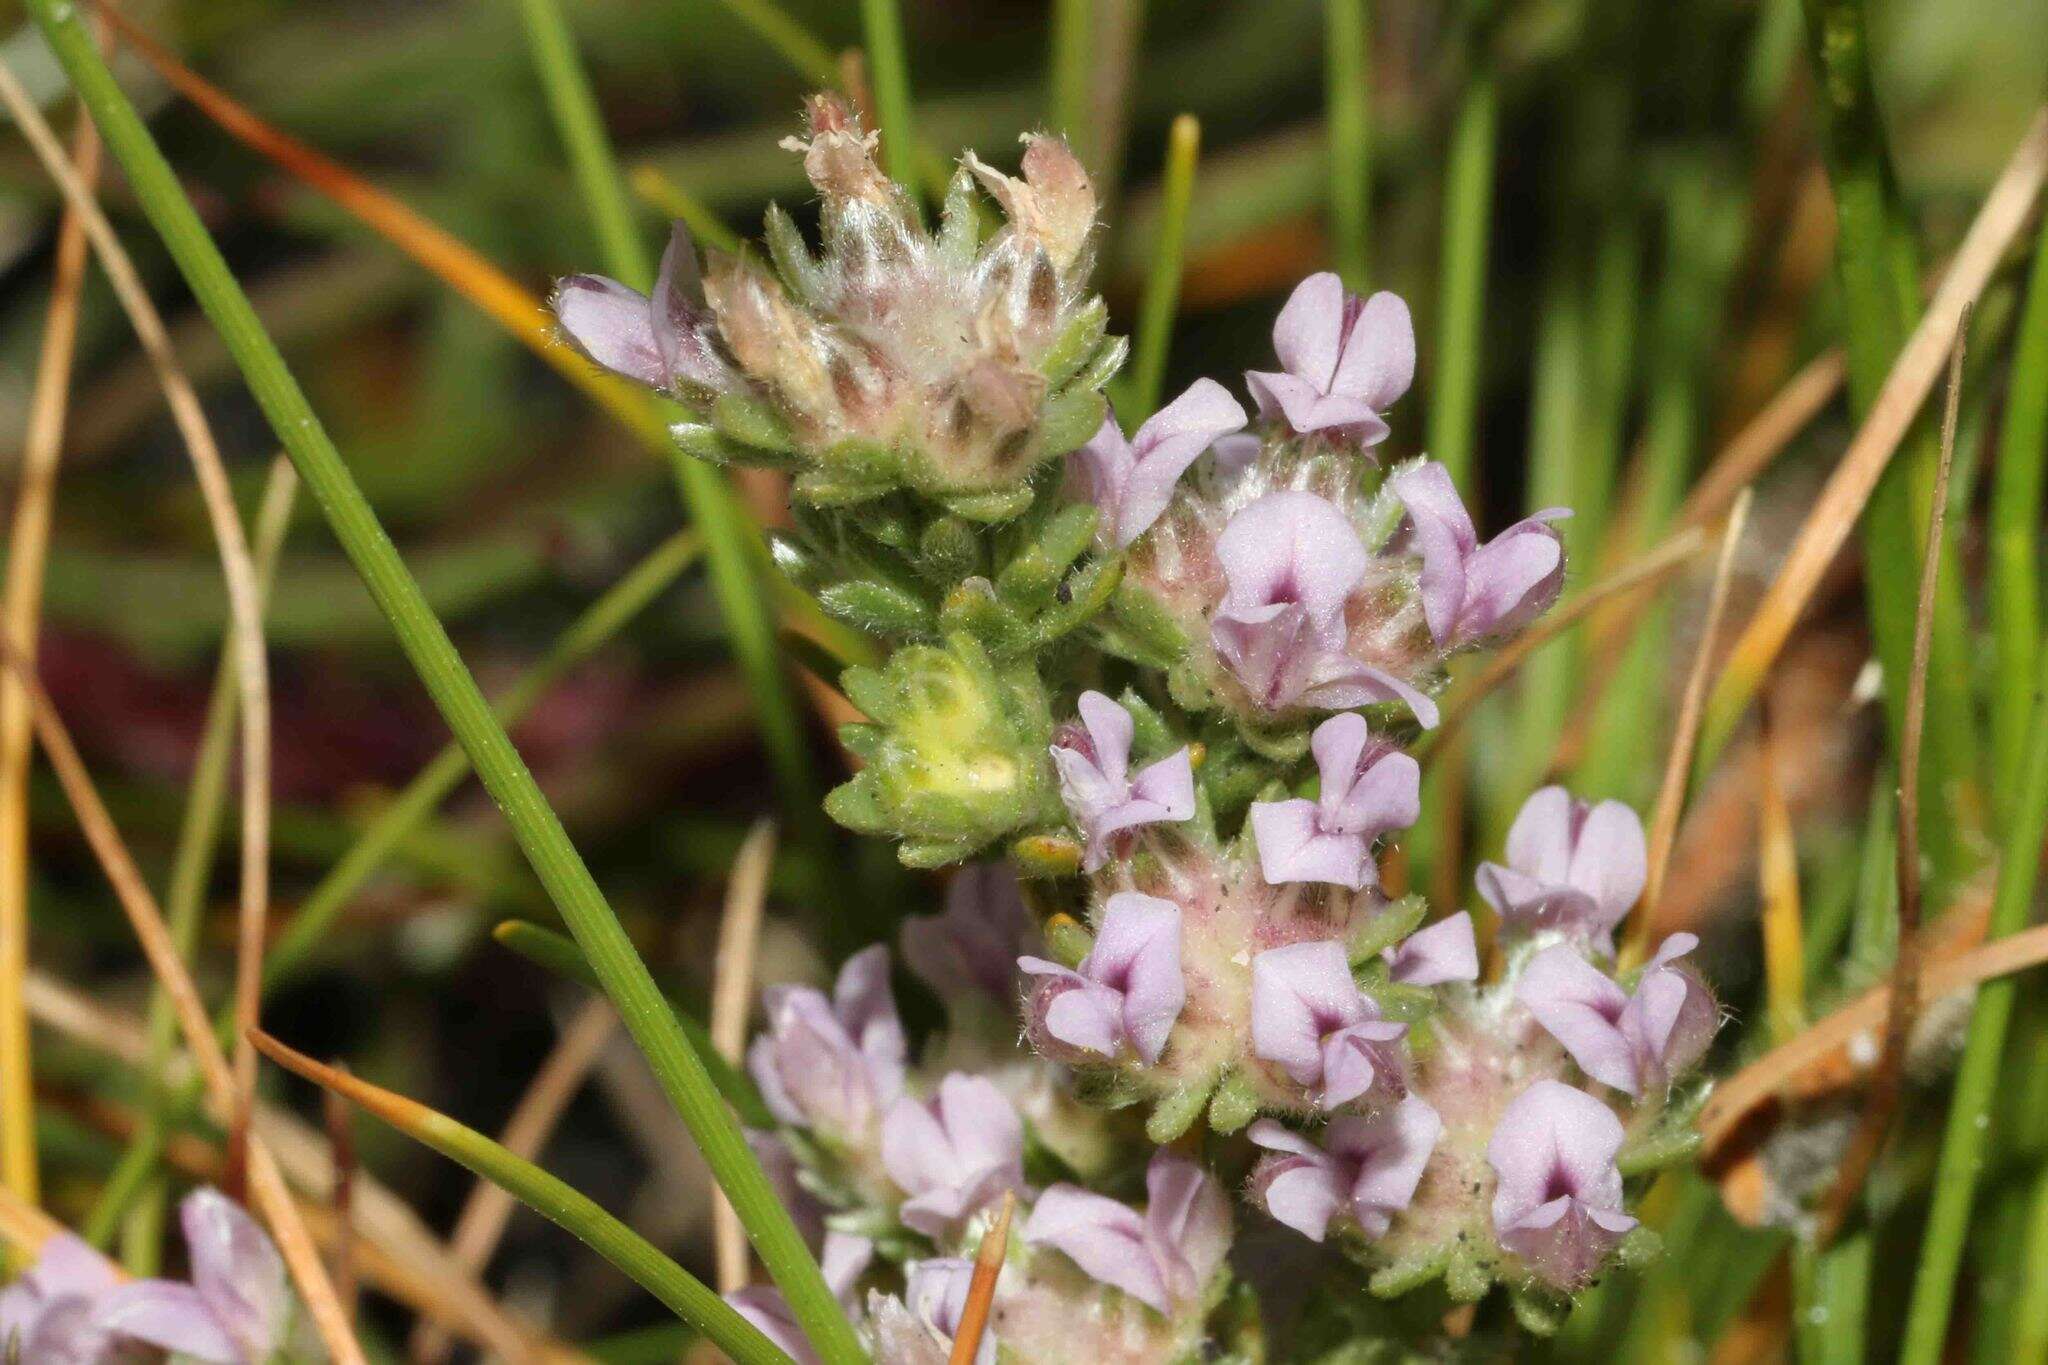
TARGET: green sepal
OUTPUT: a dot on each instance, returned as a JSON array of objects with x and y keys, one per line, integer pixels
[
  {"x": 1233, "y": 1105},
  {"x": 749, "y": 421},
  {"x": 1175, "y": 1112},
  {"x": 1087, "y": 593},
  {"x": 1102, "y": 366},
  {"x": 800, "y": 272},
  {"x": 1150, "y": 736},
  {"x": 1288, "y": 745},
  {"x": 857, "y": 804},
  {"x": 879, "y": 608},
  {"x": 973, "y": 607},
  {"x": 1068, "y": 420},
  {"x": 794, "y": 558},
  {"x": 1540, "y": 1313},
  {"x": 959, "y": 221},
  {"x": 1031, "y": 578},
  {"x": 824, "y": 489},
  {"x": 860, "y": 740},
  {"x": 948, "y": 550},
  {"x": 1148, "y": 634},
  {"x": 1641, "y": 1245},
  {"x": 1076, "y": 344},
  {"x": 991, "y": 505},
  {"x": 702, "y": 442},
  {"x": 1467, "y": 1276},
  {"x": 1394, "y": 922},
  {"x": 1403, "y": 1277},
  {"x": 929, "y": 854}
]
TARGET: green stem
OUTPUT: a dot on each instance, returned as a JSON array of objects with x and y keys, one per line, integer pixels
[
  {"x": 881, "y": 24},
  {"x": 2016, "y": 533},
  {"x": 1067, "y": 92},
  {"x": 1162, "y": 280},
  {"x": 730, "y": 541},
  {"x": 1962, "y": 1146},
  {"x": 1346, "y": 102},
  {"x": 534, "y": 823}
]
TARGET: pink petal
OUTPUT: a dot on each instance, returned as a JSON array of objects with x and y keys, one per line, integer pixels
[
  {"x": 1378, "y": 362},
  {"x": 1165, "y": 446},
  {"x": 1106, "y": 1239},
  {"x": 1307, "y": 335},
  {"x": 1387, "y": 796},
  {"x": 1299, "y": 993},
  {"x": 236, "y": 1270},
  {"x": 1611, "y": 861},
  {"x": 1552, "y": 1133},
  {"x": 1293, "y": 848},
  {"x": 1188, "y": 1215},
  {"x": 1581, "y": 1007},
  {"x": 1540, "y": 841},
  {"x": 1110, "y": 729},
  {"x": 612, "y": 325},
  {"x": 1294, "y": 547},
  {"x": 1168, "y": 784},
  {"x": 1444, "y": 951},
  {"x": 1396, "y": 1145},
  {"x": 1303, "y": 1195},
  {"x": 173, "y": 1317}
]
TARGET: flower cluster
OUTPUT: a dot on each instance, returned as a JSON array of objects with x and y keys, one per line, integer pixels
[
  {"x": 1153, "y": 698},
  {"x": 73, "y": 1308}
]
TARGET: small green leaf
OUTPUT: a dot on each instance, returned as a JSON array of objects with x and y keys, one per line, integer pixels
[
  {"x": 1404, "y": 1276},
  {"x": 948, "y": 551},
  {"x": 1031, "y": 578},
  {"x": 1102, "y": 366},
  {"x": 1233, "y": 1105},
  {"x": 1392, "y": 924},
  {"x": 800, "y": 272},
  {"x": 1176, "y": 1112},
  {"x": 1076, "y": 344},
  {"x": 959, "y": 222},
  {"x": 1069, "y": 419},
  {"x": 1539, "y": 1313},
  {"x": 751, "y": 421},
  {"x": 990, "y": 506},
  {"x": 879, "y": 609}
]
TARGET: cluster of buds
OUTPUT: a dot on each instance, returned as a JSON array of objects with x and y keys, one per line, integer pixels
[
  {"x": 73, "y": 1307},
  {"x": 1167, "y": 681}
]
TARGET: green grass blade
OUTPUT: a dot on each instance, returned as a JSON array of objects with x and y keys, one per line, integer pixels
[
  {"x": 2015, "y": 588},
  {"x": 454, "y": 691},
  {"x": 553, "y": 1199},
  {"x": 1962, "y": 1145},
  {"x": 1067, "y": 73},
  {"x": 420, "y": 798},
  {"x": 1461, "y": 285},
  {"x": 881, "y": 23},
  {"x": 807, "y": 56},
  {"x": 1162, "y": 280},
  {"x": 1348, "y": 114},
  {"x": 730, "y": 540},
  {"x": 550, "y": 950}
]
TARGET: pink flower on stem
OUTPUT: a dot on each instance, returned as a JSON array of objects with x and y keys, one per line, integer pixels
[
  {"x": 1631, "y": 1042},
  {"x": 49, "y": 1314},
  {"x": 1310, "y": 1019},
  {"x": 1472, "y": 591},
  {"x": 844, "y": 1260},
  {"x": 1130, "y": 481},
  {"x": 238, "y": 1308},
  {"x": 1094, "y": 764},
  {"x": 664, "y": 342},
  {"x": 1164, "y": 1257},
  {"x": 1570, "y": 866},
  {"x": 1366, "y": 792},
  {"x": 1290, "y": 561},
  {"x": 1366, "y": 1169},
  {"x": 1557, "y": 1201},
  {"x": 1444, "y": 951},
  {"x": 954, "y": 1154},
  {"x": 1127, "y": 993},
  {"x": 832, "y": 1065},
  {"x": 1345, "y": 360},
  {"x": 973, "y": 943},
  {"x": 919, "y": 1328}
]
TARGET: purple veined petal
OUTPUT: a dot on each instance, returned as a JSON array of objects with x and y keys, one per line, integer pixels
[
  {"x": 1541, "y": 839},
  {"x": 1164, "y": 447},
  {"x": 1307, "y": 408},
  {"x": 1308, "y": 334},
  {"x": 676, "y": 316},
  {"x": 1387, "y": 796},
  {"x": 867, "y": 1008},
  {"x": 1104, "y": 464},
  {"x": 1553, "y": 1140},
  {"x": 1672, "y": 1018},
  {"x": 1169, "y": 785},
  {"x": 1072, "y": 1010},
  {"x": 1610, "y": 860},
  {"x": 1291, "y": 547},
  {"x": 1109, "y": 729},
  {"x": 1338, "y": 744},
  {"x": 171, "y": 1317},
  {"x": 1509, "y": 580},
  {"x": 612, "y": 325},
  {"x": 1271, "y": 651},
  {"x": 1378, "y": 360},
  {"x": 1444, "y": 951},
  {"x": 1526, "y": 903},
  {"x": 1353, "y": 1060},
  {"x": 1582, "y": 1008},
  {"x": 1276, "y": 1136},
  {"x": 1302, "y": 1193},
  {"x": 1300, "y": 992},
  {"x": 844, "y": 1259},
  {"x": 1440, "y": 530},
  {"x": 1340, "y": 682},
  {"x": 1187, "y": 1218},
  {"x": 1292, "y": 847},
  {"x": 237, "y": 1271},
  {"x": 1390, "y": 1151},
  {"x": 1105, "y": 1238},
  {"x": 1137, "y": 952},
  {"x": 770, "y": 1313},
  {"x": 767, "y": 1078}
]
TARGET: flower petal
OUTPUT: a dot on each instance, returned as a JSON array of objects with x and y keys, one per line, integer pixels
[
  {"x": 1444, "y": 951},
  {"x": 1378, "y": 361},
  {"x": 612, "y": 325}
]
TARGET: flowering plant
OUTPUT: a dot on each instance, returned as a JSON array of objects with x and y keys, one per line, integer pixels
[{"x": 1150, "y": 687}]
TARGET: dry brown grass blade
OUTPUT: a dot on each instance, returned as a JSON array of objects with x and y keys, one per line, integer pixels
[
  {"x": 266, "y": 1182},
  {"x": 732, "y": 987},
  {"x": 2004, "y": 212},
  {"x": 1778, "y": 884},
  {"x": 396, "y": 1252},
  {"x": 341, "y": 1147},
  {"x": 28, "y": 541},
  {"x": 1671, "y": 795},
  {"x": 1808, "y": 1064},
  {"x": 23, "y": 1226},
  {"x": 245, "y": 598},
  {"x": 1885, "y": 1082},
  {"x": 981, "y": 1289},
  {"x": 484, "y": 1216}
]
